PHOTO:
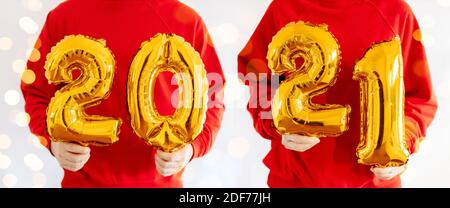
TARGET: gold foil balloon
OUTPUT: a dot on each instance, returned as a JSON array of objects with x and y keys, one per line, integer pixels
[
  {"x": 167, "y": 53},
  {"x": 380, "y": 73},
  {"x": 292, "y": 109},
  {"x": 66, "y": 117}
]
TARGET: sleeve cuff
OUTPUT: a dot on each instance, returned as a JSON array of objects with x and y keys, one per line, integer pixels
[
  {"x": 196, "y": 146},
  {"x": 412, "y": 135}
]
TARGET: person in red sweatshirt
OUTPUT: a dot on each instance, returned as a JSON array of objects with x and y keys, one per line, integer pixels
[
  {"x": 300, "y": 161},
  {"x": 125, "y": 25}
]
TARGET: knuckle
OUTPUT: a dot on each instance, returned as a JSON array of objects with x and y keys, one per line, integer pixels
[
  {"x": 70, "y": 168},
  {"x": 165, "y": 165},
  {"x": 162, "y": 171},
  {"x": 78, "y": 166},
  {"x": 291, "y": 147},
  {"x": 303, "y": 148}
]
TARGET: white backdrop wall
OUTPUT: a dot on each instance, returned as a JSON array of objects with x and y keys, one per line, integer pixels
[{"x": 235, "y": 160}]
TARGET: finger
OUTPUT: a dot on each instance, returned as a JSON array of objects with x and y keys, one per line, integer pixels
[
  {"x": 178, "y": 155},
  {"x": 399, "y": 170},
  {"x": 299, "y": 139},
  {"x": 165, "y": 171},
  {"x": 387, "y": 173},
  {"x": 164, "y": 164},
  {"x": 291, "y": 146},
  {"x": 169, "y": 157},
  {"x": 77, "y": 149},
  {"x": 284, "y": 140},
  {"x": 380, "y": 171},
  {"x": 165, "y": 156},
  {"x": 75, "y": 158},
  {"x": 298, "y": 147},
  {"x": 388, "y": 170},
  {"x": 70, "y": 166},
  {"x": 385, "y": 177}
]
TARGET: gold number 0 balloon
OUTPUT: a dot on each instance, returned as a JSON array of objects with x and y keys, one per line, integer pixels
[
  {"x": 167, "y": 53},
  {"x": 66, "y": 119},
  {"x": 292, "y": 109},
  {"x": 380, "y": 73}
]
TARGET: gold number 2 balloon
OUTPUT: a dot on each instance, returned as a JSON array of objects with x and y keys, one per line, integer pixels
[
  {"x": 66, "y": 118},
  {"x": 292, "y": 109},
  {"x": 167, "y": 53},
  {"x": 380, "y": 73}
]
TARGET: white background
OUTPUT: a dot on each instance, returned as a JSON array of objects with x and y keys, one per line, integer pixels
[{"x": 235, "y": 160}]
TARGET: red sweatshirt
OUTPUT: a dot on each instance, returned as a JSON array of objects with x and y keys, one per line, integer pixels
[
  {"x": 124, "y": 24},
  {"x": 356, "y": 24}
]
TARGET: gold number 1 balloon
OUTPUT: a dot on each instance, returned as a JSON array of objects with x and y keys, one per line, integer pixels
[
  {"x": 380, "y": 73},
  {"x": 66, "y": 118},
  {"x": 292, "y": 109},
  {"x": 167, "y": 53}
]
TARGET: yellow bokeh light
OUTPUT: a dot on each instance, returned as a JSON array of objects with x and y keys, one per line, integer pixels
[
  {"x": 33, "y": 5},
  {"x": 9, "y": 180},
  {"x": 5, "y": 141},
  {"x": 19, "y": 66},
  {"x": 39, "y": 180},
  {"x": 224, "y": 34},
  {"x": 39, "y": 141},
  {"x": 28, "y": 77},
  {"x": 444, "y": 3},
  {"x": 34, "y": 55},
  {"x": 33, "y": 162},
  {"x": 12, "y": 97},
  {"x": 22, "y": 119},
  {"x": 34, "y": 41},
  {"x": 28, "y": 25},
  {"x": 417, "y": 35},
  {"x": 5, "y": 161},
  {"x": 5, "y": 43}
]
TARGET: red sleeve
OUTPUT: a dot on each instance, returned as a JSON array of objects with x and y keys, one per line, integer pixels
[
  {"x": 203, "y": 44},
  {"x": 37, "y": 95},
  {"x": 254, "y": 72},
  {"x": 420, "y": 100}
]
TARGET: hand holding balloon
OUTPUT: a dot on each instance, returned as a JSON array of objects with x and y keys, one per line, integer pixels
[
  {"x": 299, "y": 143},
  {"x": 388, "y": 173},
  {"x": 169, "y": 164},
  {"x": 70, "y": 156}
]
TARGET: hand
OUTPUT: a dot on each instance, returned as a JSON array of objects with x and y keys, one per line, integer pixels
[
  {"x": 169, "y": 164},
  {"x": 388, "y": 173},
  {"x": 299, "y": 143},
  {"x": 70, "y": 156}
]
